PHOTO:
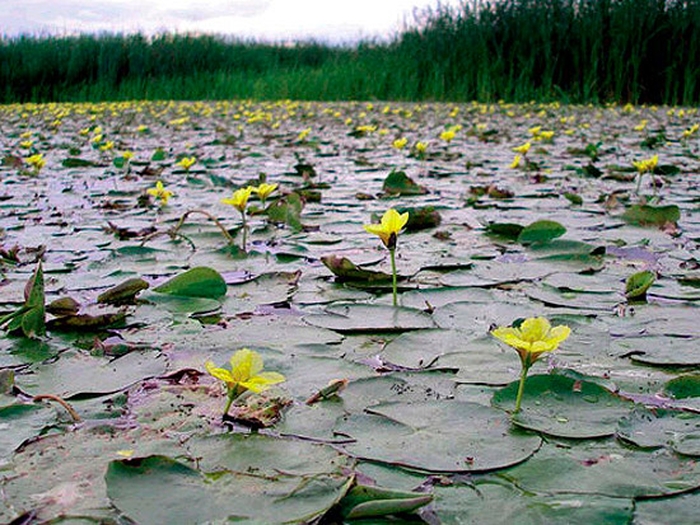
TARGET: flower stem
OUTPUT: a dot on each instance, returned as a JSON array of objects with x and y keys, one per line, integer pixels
[
  {"x": 521, "y": 389},
  {"x": 245, "y": 230},
  {"x": 392, "y": 253}
]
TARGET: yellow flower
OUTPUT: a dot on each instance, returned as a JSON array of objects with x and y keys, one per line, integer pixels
[
  {"x": 532, "y": 338},
  {"x": 448, "y": 135},
  {"x": 187, "y": 162},
  {"x": 303, "y": 134},
  {"x": 545, "y": 135},
  {"x": 246, "y": 373},
  {"x": 388, "y": 230},
  {"x": 128, "y": 155},
  {"x": 36, "y": 161},
  {"x": 421, "y": 147},
  {"x": 240, "y": 197},
  {"x": 646, "y": 165},
  {"x": 399, "y": 143},
  {"x": 516, "y": 162},
  {"x": 26, "y": 144},
  {"x": 263, "y": 190},
  {"x": 523, "y": 149},
  {"x": 160, "y": 193},
  {"x": 691, "y": 131},
  {"x": 535, "y": 131},
  {"x": 642, "y": 125},
  {"x": 107, "y": 146}
]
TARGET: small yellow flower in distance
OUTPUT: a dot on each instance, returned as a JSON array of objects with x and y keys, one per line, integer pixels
[
  {"x": 421, "y": 147},
  {"x": 535, "y": 131},
  {"x": 532, "y": 338},
  {"x": 303, "y": 134},
  {"x": 128, "y": 155},
  {"x": 388, "y": 230},
  {"x": 246, "y": 373},
  {"x": 160, "y": 193},
  {"x": 26, "y": 144},
  {"x": 642, "y": 125},
  {"x": 187, "y": 162},
  {"x": 646, "y": 165},
  {"x": 448, "y": 135},
  {"x": 399, "y": 143},
  {"x": 36, "y": 161},
  {"x": 545, "y": 135},
  {"x": 263, "y": 190},
  {"x": 97, "y": 138},
  {"x": 523, "y": 149},
  {"x": 240, "y": 197},
  {"x": 516, "y": 162},
  {"x": 691, "y": 131},
  {"x": 107, "y": 146},
  {"x": 26, "y": 135}
]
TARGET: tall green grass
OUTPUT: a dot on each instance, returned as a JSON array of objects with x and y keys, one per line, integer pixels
[{"x": 642, "y": 51}]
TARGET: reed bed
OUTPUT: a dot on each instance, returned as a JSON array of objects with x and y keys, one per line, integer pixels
[{"x": 639, "y": 51}]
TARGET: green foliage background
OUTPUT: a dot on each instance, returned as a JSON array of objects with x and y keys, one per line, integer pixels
[{"x": 640, "y": 51}]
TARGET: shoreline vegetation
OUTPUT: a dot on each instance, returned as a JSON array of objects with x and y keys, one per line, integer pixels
[{"x": 572, "y": 51}]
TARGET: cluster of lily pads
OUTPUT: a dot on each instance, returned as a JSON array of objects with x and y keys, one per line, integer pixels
[{"x": 167, "y": 263}]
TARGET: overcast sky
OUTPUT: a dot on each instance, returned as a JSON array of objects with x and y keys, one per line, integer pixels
[{"x": 276, "y": 20}]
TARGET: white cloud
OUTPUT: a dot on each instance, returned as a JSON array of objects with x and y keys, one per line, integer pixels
[{"x": 335, "y": 20}]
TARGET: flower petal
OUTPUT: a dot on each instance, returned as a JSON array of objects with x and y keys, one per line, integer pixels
[
  {"x": 534, "y": 329},
  {"x": 219, "y": 373},
  {"x": 245, "y": 364}
]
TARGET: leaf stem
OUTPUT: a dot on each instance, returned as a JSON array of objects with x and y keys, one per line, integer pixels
[{"x": 63, "y": 403}]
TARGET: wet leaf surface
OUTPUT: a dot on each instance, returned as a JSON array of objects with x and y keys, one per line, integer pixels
[{"x": 569, "y": 235}]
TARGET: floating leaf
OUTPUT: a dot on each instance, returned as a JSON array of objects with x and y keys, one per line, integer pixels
[
  {"x": 646, "y": 215},
  {"x": 287, "y": 210},
  {"x": 540, "y": 232},
  {"x": 364, "y": 501},
  {"x": 357, "y": 318},
  {"x": 506, "y": 230},
  {"x": 181, "y": 494},
  {"x": 201, "y": 281},
  {"x": 75, "y": 162},
  {"x": 638, "y": 283},
  {"x": 123, "y": 293},
  {"x": 676, "y": 429},
  {"x": 345, "y": 270},
  {"x": 437, "y": 436},
  {"x": 564, "y": 407},
  {"x": 421, "y": 218},
  {"x": 398, "y": 183},
  {"x": 605, "y": 467}
]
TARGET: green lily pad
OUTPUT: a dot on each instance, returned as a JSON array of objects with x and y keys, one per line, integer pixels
[
  {"x": 605, "y": 467},
  {"x": 474, "y": 503},
  {"x": 347, "y": 271},
  {"x": 77, "y": 373},
  {"x": 21, "y": 422},
  {"x": 682, "y": 509},
  {"x": 678, "y": 430},
  {"x": 181, "y": 494},
  {"x": 646, "y": 215},
  {"x": 541, "y": 232},
  {"x": 659, "y": 350},
  {"x": 474, "y": 360},
  {"x": 357, "y": 318},
  {"x": 398, "y": 183},
  {"x": 638, "y": 283},
  {"x": 201, "y": 281},
  {"x": 564, "y": 407},
  {"x": 437, "y": 436},
  {"x": 683, "y": 387}
]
